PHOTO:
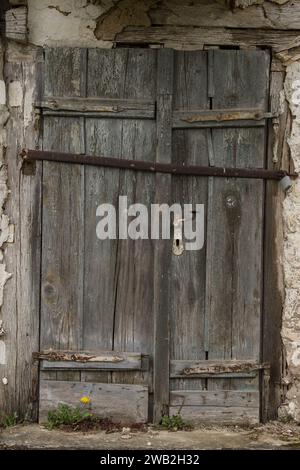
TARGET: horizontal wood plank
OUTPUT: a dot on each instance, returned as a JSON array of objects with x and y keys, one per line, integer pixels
[
  {"x": 97, "y": 107},
  {"x": 279, "y": 14},
  {"x": 226, "y": 368},
  {"x": 118, "y": 402},
  {"x": 217, "y": 415},
  {"x": 110, "y": 360},
  {"x": 214, "y": 398},
  {"x": 219, "y": 118},
  {"x": 185, "y": 37}
]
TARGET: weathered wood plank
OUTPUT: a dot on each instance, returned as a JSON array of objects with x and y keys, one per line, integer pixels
[
  {"x": 134, "y": 311},
  {"x": 100, "y": 263},
  {"x": 124, "y": 303},
  {"x": 192, "y": 368},
  {"x": 21, "y": 302},
  {"x": 217, "y": 414},
  {"x": 273, "y": 295},
  {"x": 125, "y": 403},
  {"x": 226, "y": 398},
  {"x": 88, "y": 356},
  {"x": 181, "y": 37},
  {"x": 165, "y": 65},
  {"x": 63, "y": 209},
  {"x": 68, "y": 375},
  {"x": 89, "y": 360},
  {"x": 219, "y": 118},
  {"x": 235, "y": 293},
  {"x": 187, "y": 270},
  {"x": 239, "y": 14},
  {"x": 98, "y": 107}
]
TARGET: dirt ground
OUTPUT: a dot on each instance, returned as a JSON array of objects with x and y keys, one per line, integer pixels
[{"x": 271, "y": 436}]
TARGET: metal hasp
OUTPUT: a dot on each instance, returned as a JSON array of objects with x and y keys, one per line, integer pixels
[{"x": 138, "y": 165}]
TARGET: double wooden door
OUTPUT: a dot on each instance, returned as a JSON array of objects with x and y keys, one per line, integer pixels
[{"x": 141, "y": 329}]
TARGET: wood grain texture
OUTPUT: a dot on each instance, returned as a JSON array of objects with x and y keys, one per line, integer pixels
[
  {"x": 118, "y": 402},
  {"x": 236, "y": 229},
  {"x": 113, "y": 298},
  {"x": 200, "y": 308},
  {"x": 186, "y": 38},
  {"x": 226, "y": 398},
  {"x": 165, "y": 69},
  {"x": 97, "y": 107},
  {"x": 187, "y": 274},
  {"x": 89, "y": 360},
  {"x": 63, "y": 210},
  {"x": 218, "y": 414},
  {"x": 239, "y": 14},
  {"x": 190, "y": 368},
  {"x": 278, "y": 157},
  {"x": 20, "y": 310}
]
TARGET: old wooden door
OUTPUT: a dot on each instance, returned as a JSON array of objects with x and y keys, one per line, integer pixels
[{"x": 134, "y": 324}]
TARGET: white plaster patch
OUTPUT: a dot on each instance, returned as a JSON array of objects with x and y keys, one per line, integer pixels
[
  {"x": 15, "y": 94},
  {"x": 6, "y": 230},
  {"x": 295, "y": 358},
  {"x": 2, "y": 92},
  {"x": 28, "y": 107},
  {"x": 4, "y": 276},
  {"x": 69, "y": 23},
  {"x": 4, "y": 115},
  {"x": 2, "y": 353}
]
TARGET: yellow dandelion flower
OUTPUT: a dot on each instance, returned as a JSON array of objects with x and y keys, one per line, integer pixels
[{"x": 85, "y": 400}]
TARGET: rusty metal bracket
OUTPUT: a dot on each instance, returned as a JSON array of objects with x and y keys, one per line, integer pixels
[{"x": 152, "y": 167}]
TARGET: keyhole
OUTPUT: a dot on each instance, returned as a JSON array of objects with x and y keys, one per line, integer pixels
[{"x": 177, "y": 247}]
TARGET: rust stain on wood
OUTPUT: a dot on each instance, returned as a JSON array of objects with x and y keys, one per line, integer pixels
[
  {"x": 223, "y": 368},
  {"x": 76, "y": 357},
  {"x": 231, "y": 116}
]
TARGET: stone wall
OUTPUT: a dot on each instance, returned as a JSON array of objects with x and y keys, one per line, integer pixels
[
  {"x": 291, "y": 255},
  {"x": 6, "y": 229}
]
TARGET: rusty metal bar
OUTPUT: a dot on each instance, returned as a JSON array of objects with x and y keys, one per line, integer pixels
[{"x": 138, "y": 165}]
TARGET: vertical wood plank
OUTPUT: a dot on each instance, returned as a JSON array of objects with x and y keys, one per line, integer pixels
[
  {"x": 273, "y": 294},
  {"x": 187, "y": 309},
  {"x": 106, "y": 70},
  {"x": 63, "y": 205},
  {"x": 133, "y": 327},
  {"x": 134, "y": 301},
  {"x": 236, "y": 293},
  {"x": 20, "y": 309},
  {"x": 162, "y": 256}
]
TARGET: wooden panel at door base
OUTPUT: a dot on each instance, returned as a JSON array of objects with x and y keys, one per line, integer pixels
[
  {"x": 217, "y": 415},
  {"x": 118, "y": 402}
]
